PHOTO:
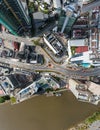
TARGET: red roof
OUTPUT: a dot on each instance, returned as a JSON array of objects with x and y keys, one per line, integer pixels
[
  {"x": 15, "y": 45},
  {"x": 81, "y": 49}
]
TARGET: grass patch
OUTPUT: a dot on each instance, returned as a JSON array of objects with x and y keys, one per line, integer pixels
[
  {"x": 85, "y": 124},
  {"x": 13, "y": 100},
  {"x": 94, "y": 117},
  {"x": 73, "y": 50},
  {"x": 36, "y": 42},
  {"x": 49, "y": 90}
]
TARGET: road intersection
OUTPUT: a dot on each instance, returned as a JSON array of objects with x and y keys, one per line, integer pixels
[{"x": 57, "y": 68}]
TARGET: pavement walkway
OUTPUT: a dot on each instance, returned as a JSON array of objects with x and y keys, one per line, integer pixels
[{"x": 95, "y": 125}]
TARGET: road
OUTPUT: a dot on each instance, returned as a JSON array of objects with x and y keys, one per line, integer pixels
[
  {"x": 7, "y": 36},
  {"x": 57, "y": 69},
  {"x": 90, "y": 6}
]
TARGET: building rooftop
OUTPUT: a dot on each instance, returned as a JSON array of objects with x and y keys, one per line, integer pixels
[
  {"x": 78, "y": 42},
  {"x": 13, "y": 79},
  {"x": 94, "y": 88},
  {"x": 81, "y": 49},
  {"x": 89, "y": 91},
  {"x": 53, "y": 43}
]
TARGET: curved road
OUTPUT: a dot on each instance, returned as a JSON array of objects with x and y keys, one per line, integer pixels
[{"x": 57, "y": 69}]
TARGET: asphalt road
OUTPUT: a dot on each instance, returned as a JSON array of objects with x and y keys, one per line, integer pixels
[
  {"x": 56, "y": 69},
  {"x": 7, "y": 36}
]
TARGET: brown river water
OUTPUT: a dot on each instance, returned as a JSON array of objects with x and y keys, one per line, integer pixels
[{"x": 45, "y": 113}]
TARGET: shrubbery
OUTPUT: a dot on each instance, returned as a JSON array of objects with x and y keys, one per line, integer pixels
[{"x": 4, "y": 98}]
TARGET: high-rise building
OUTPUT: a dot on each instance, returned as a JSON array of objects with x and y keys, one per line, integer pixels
[
  {"x": 67, "y": 19},
  {"x": 15, "y": 17}
]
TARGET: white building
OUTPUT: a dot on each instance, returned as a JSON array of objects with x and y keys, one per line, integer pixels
[
  {"x": 78, "y": 42},
  {"x": 86, "y": 1},
  {"x": 53, "y": 43},
  {"x": 27, "y": 92},
  {"x": 82, "y": 58},
  {"x": 22, "y": 46},
  {"x": 72, "y": 87},
  {"x": 77, "y": 89},
  {"x": 7, "y": 85},
  {"x": 89, "y": 92},
  {"x": 94, "y": 88}
]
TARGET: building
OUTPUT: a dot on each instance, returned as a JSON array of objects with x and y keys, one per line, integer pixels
[
  {"x": 79, "y": 33},
  {"x": 87, "y": 1},
  {"x": 4, "y": 70},
  {"x": 8, "y": 44},
  {"x": 78, "y": 89},
  {"x": 27, "y": 92},
  {"x": 81, "y": 58},
  {"x": 81, "y": 49},
  {"x": 8, "y": 84},
  {"x": 22, "y": 47},
  {"x": 43, "y": 83},
  {"x": 94, "y": 88},
  {"x": 14, "y": 81},
  {"x": 51, "y": 81},
  {"x": 2, "y": 92},
  {"x": 16, "y": 45},
  {"x": 86, "y": 59},
  {"x": 87, "y": 92},
  {"x": 53, "y": 43},
  {"x": 33, "y": 58},
  {"x": 78, "y": 42},
  {"x": 95, "y": 56},
  {"x": 15, "y": 17},
  {"x": 57, "y": 3},
  {"x": 67, "y": 19}
]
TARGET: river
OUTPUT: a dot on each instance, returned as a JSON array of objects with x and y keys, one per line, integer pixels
[{"x": 45, "y": 113}]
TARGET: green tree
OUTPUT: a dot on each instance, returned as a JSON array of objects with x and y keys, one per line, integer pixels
[{"x": 2, "y": 100}]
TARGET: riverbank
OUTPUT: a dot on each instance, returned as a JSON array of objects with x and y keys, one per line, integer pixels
[
  {"x": 4, "y": 100},
  {"x": 40, "y": 112},
  {"x": 48, "y": 92},
  {"x": 89, "y": 123}
]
